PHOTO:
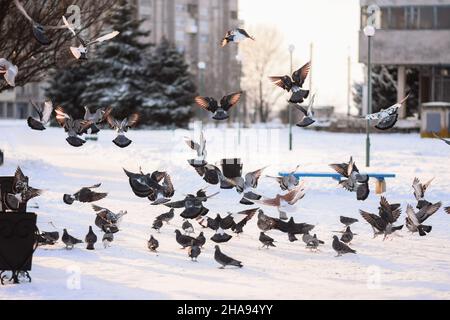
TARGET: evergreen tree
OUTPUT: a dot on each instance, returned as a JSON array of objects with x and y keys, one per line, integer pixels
[
  {"x": 170, "y": 89},
  {"x": 116, "y": 77}
]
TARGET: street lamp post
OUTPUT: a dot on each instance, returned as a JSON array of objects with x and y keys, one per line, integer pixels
[
  {"x": 239, "y": 111},
  {"x": 291, "y": 52},
  {"x": 369, "y": 31},
  {"x": 201, "y": 68}
]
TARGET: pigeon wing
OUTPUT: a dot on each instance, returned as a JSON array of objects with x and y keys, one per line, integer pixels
[
  {"x": 428, "y": 211},
  {"x": 342, "y": 169},
  {"x": 374, "y": 220},
  {"x": 230, "y": 101},
  {"x": 301, "y": 74},
  {"x": 207, "y": 103},
  {"x": 284, "y": 82},
  {"x": 105, "y": 37},
  {"x": 412, "y": 215},
  {"x": 61, "y": 116},
  {"x": 47, "y": 112}
]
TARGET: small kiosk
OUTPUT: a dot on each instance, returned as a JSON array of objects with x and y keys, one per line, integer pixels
[{"x": 435, "y": 119}]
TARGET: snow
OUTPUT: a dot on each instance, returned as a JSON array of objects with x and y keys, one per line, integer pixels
[{"x": 406, "y": 267}]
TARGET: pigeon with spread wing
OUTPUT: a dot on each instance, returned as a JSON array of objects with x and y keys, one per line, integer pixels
[
  {"x": 294, "y": 84},
  {"x": 220, "y": 112}
]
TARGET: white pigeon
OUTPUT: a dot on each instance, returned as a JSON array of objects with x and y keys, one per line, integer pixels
[
  {"x": 9, "y": 71},
  {"x": 200, "y": 148}
]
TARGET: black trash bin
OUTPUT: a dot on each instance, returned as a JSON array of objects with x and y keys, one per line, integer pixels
[{"x": 231, "y": 168}]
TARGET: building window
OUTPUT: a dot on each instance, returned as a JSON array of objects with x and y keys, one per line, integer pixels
[
  {"x": 398, "y": 20},
  {"x": 10, "y": 110},
  {"x": 22, "y": 109},
  {"x": 385, "y": 15},
  {"x": 412, "y": 17},
  {"x": 443, "y": 17},
  {"x": 2, "y": 110},
  {"x": 192, "y": 9},
  {"x": 427, "y": 17},
  {"x": 234, "y": 15}
]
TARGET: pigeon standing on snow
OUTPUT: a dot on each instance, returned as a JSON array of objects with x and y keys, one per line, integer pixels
[
  {"x": 220, "y": 112},
  {"x": 9, "y": 71},
  {"x": 187, "y": 227},
  {"x": 201, "y": 240},
  {"x": 266, "y": 240},
  {"x": 414, "y": 221},
  {"x": 80, "y": 52},
  {"x": 122, "y": 127},
  {"x": 73, "y": 128},
  {"x": 347, "y": 236},
  {"x": 341, "y": 248},
  {"x": 108, "y": 238},
  {"x": 387, "y": 118},
  {"x": 265, "y": 223},
  {"x": 200, "y": 148},
  {"x": 184, "y": 241},
  {"x": 235, "y": 35},
  {"x": 225, "y": 260},
  {"x": 167, "y": 217},
  {"x": 355, "y": 181},
  {"x": 85, "y": 195},
  {"x": 307, "y": 114},
  {"x": 289, "y": 182},
  {"x": 194, "y": 251},
  {"x": 294, "y": 84},
  {"x": 157, "y": 225},
  {"x": 44, "y": 113},
  {"x": 312, "y": 242},
  {"x": 47, "y": 238},
  {"x": 434, "y": 133},
  {"x": 90, "y": 239},
  {"x": 152, "y": 244},
  {"x": 69, "y": 241}
]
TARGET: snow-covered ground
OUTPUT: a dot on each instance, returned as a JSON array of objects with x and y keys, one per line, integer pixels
[{"x": 406, "y": 267}]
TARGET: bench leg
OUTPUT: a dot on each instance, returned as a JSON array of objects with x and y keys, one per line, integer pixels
[{"x": 380, "y": 186}]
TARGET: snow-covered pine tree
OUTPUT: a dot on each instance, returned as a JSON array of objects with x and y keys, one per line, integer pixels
[
  {"x": 116, "y": 77},
  {"x": 170, "y": 90}
]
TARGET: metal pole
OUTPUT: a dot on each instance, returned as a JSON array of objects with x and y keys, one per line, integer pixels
[
  {"x": 369, "y": 100},
  {"x": 290, "y": 111},
  {"x": 240, "y": 109},
  {"x": 349, "y": 84}
]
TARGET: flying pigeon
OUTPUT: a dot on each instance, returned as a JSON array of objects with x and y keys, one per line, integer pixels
[
  {"x": 96, "y": 118},
  {"x": 38, "y": 29},
  {"x": 312, "y": 242},
  {"x": 220, "y": 112},
  {"x": 85, "y": 195},
  {"x": 415, "y": 220},
  {"x": 106, "y": 220},
  {"x": 167, "y": 217},
  {"x": 266, "y": 240},
  {"x": 247, "y": 185},
  {"x": 235, "y": 35},
  {"x": 122, "y": 127},
  {"x": 187, "y": 227},
  {"x": 265, "y": 223},
  {"x": 387, "y": 118},
  {"x": 69, "y": 241},
  {"x": 80, "y": 52},
  {"x": 192, "y": 204},
  {"x": 341, "y": 248},
  {"x": 434, "y": 133},
  {"x": 225, "y": 260},
  {"x": 183, "y": 240},
  {"x": 148, "y": 186},
  {"x": 238, "y": 228},
  {"x": 9, "y": 71},
  {"x": 221, "y": 236},
  {"x": 194, "y": 251},
  {"x": 212, "y": 175},
  {"x": 200, "y": 148},
  {"x": 152, "y": 244},
  {"x": 347, "y": 221},
  {"x": 347, "y": 236},
  {"x": 420, "y": 189},
  {"x": 21, "y": 191},
  {"x": 73, "y": 128},
  {"x": 90, "y": 239},
  {"x": 163, "y": 193},
  {"x": 157, "y": 225},
  {"x": 108, "y": 238},
  {"x": 355, "y": 181},
  {"x": 285, "y": 202},
  {"x": 289, "y": 182},
  {"x": 291, "y": 227},
  {"x": 383, "y": 222},
  {"x": 201, "y": 240},
  {"x": 307, "y": 114},
  {"x": 47, "y": 238},
  {"x": 44, "y": 113},
  {"x": 294, "y": 84}
]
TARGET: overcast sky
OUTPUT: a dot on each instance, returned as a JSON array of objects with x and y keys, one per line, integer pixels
[{"x": 332, "y": 25}]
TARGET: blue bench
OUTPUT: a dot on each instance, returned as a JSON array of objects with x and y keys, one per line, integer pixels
[{"x": 380, "y": 177}]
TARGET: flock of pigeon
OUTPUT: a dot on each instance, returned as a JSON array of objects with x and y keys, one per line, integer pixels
[{"x": 158, "y": 187}]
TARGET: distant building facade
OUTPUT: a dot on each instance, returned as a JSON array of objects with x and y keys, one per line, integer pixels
[{"x": 412, "y": 33}]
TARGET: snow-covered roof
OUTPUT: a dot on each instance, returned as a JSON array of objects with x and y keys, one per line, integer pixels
[{"x": 437, "y": 104}]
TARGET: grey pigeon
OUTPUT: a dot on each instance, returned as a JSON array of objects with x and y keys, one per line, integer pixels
[
  {"x": 47, "y": 238},
  {"x": 238, "y": 228},
  {"x": 341, "y": 248},
  {"x": 9, "y": 71},
  {"x": 157, "y": 225},
  {"x": 69, "y": 241},
  {"x": 289, "y": 182},
  {"x": 200, "y": 148},
  {"x": 307, "y": 115},
  {"x": 294, "y": 83},
  {"x": 108, "y": 238},
  {"x": 122, "y": 127},
  {"x": 247, "y": 186},
  {"x": 152, "y": 244},
  {"x": 347, "y": 236},
  {"x": 187, "y": 227},
  {"x": 193, "y": 205},
  {"x": 355, "y": 181},
  {"x": 236, "y": 35},
  {"x": 85, "y": 195},
  {"x": 73, "y": 128},
  {"x": 90, "y": 239},
  {"x": 383, "y": 223},
  {"x": 167, "y": 217},
  {"x": 44, "y": 113},
  {"x": 415, "y": 220},
  {"x": 266, "y": 240},
  {"x": 184, "y": 241},
  {"x": 22, "y": 192},
  {"x": 387, "y": 118},
  {"x": 347, "y": 221},
  {"x": 265, "y": 223},
  {"x": 38, "y": 30},
  {"x": 194, "y": 251},
  {"x": 225, "y": 260},
  {"x": 201, "y": 240},
  {"x": 221, "y": 237},
  {"x": 420, "y": 188},
  {"x": 312, "y": 242},
  {"x": 96, "y": 118},
  {"x": 220, "y": 112}
]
